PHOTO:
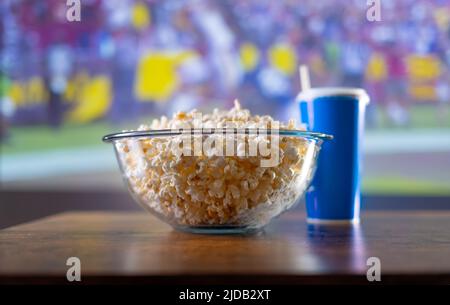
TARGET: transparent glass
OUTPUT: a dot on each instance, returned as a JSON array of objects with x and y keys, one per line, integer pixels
[{"x": 208, "y": 182}]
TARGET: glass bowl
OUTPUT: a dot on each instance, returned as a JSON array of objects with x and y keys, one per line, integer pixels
[{"x": 217, "y": 180}]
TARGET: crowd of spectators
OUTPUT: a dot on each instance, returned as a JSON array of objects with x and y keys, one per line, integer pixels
[{"x": 248, "y": 49}]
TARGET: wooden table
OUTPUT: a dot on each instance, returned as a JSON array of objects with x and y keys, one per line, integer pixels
[{"x": 135, "y": 247}]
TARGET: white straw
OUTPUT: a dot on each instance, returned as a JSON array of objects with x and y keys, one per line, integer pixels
[{"x": 304, "y": 78}]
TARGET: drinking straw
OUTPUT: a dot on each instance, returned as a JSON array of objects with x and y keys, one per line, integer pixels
[{"x": 304, "y": 78}]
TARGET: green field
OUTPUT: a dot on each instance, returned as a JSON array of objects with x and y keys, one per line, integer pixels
[
  {"x": 43, "y": 138},
  {"x": 420, "y": 116},
  {"x": 404, "y": 186},
  {"x": 38, "y": 138},
  {"x": 24, "y": 140}
]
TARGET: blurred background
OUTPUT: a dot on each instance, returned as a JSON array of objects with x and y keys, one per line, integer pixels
[{"x": 63, "y": 85}]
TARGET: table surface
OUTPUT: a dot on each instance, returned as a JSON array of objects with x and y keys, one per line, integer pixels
[{"x": 136, "y": 247}]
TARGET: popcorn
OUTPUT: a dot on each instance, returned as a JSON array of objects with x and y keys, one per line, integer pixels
[{"x": 214, "y": 189}]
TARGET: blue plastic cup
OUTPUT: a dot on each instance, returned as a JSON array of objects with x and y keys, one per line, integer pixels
[{"x": 334, "y": 194}]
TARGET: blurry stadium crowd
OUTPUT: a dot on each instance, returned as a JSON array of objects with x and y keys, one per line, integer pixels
[{"x": 130, "y": 57}]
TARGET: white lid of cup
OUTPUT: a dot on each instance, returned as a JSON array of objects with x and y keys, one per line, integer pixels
[{"x": 313, "y": 93}]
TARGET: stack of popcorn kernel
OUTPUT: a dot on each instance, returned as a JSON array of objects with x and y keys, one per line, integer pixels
[{"x": 209, "y": 189}]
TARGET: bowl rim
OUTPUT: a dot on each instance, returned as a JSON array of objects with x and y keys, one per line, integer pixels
[{"x": 318, "y": 136}]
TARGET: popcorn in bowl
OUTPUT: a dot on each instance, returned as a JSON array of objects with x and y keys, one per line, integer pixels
[{"x": 224, "y": 172}]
